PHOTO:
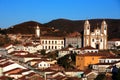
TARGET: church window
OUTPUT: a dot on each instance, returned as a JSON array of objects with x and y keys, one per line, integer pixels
[
  {"x": 101, "y": 40},
  {"x": 92, "y": 40},
  {"x": 87, "y": 27}
]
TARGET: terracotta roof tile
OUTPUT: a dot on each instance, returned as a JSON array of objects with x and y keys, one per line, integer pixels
[{"x": 115, "y": 39}]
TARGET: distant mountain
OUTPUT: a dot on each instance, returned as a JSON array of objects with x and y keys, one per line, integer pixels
[
  {"x": 63, "y": 26},
  {"x": 24, "y": 28},
  {"x": 78, "y": 25}
]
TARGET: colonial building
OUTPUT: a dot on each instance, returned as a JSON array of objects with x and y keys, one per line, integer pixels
[
  {"x": 73, "y": 39},
  {"x": 96, "y": 39},
  {"x": 52, "y": 43}
]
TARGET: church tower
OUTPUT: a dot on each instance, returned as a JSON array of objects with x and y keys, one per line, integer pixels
[
  {"x": 104, "y": 32},
  {"x": 37, "y": 31},
  {"x": 86, "y": 33}
]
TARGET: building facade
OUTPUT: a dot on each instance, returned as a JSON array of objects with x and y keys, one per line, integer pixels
[
  {"x": 52, "y": 43},
  {"x": 96, "y": 39},
  {"x": 113, "y": 43},
  {"x": 74, "y": 41},
  {"x": 83, "y": 61}
]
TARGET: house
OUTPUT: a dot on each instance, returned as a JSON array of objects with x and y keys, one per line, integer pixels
[
  {"x": 65, "y": 51},
  {"x": 31, "y": 76},
  {"x": 25, "y": 57},
  {"x": 30, "y": 47},
  {"x": 36, "y": 61},
  {"x": 89, "y": 75},
  {"x": 105, "y": 63},
  {"x": 43, "y": 65},
  {"x": 88, "y": 59},
  {"x": 89, "y": 49},
  {"x": 73, "y": 73},
  {"x": 9, "y": 48},
  {"x": 113, "y": 43},
  {"x": 10, "y": 65},
  {"x": 73, "y": 39},
  {"x": 55, "y": 76}
]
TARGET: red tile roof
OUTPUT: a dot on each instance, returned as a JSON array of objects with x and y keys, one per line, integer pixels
[
  {"x": 88, "y": 47},
  {"x": 16, "y": 70},
  {"x": 6, "y": 64},
  {"x": 115, "y": 39}
]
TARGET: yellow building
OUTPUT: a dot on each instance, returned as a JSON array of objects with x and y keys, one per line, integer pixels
[{"x": 84, "y": 60}]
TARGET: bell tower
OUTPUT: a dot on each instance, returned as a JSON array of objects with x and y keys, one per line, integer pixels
[
  {"x": 86, "y": 33},
  {"x": 37, "y": 31},
  {"x": 104, "y": 27},
  {"x": 104, "y": 32}
]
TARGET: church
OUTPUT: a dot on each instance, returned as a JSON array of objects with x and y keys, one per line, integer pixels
[{"x": 96, "y": 39}]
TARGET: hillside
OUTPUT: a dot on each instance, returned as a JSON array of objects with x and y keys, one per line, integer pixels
[
  {"x": 70, "y": 26},
  {"x": 64, "y": 26}
]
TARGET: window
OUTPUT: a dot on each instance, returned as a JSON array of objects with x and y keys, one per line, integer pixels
[
  {"x": 61, "y": 42},
  {"x": 81, "y": 58},
  {"x": 46, "y": 42},
  {"x": 45, "y": 47},
  {"x": 52, "y": 47},
  {"x": 105, "y": 28},
  {"x": 92, "y": 40},
  {"x": 55, "y": 47},
  {"x": 43, "y": 42},
  {"x": 55, "y": 42},
  {"x": 61, "y": 47},
  {"x": 101, "y": 40},
  {"x": 49, "y": 42},
  {"x": 49, "y": 47},
  {"x": 48, "y": 65},
  {"x": 40, "y": 65},
  {"x": 52, "y": 42}
]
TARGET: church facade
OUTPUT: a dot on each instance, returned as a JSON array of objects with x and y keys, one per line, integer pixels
[{"x": 97, "y": 38}]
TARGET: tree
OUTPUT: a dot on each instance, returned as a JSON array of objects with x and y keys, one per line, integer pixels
[
  {"x": 118, "y": 75},
  {"x": 43, "y": 51},
  {"x": 114, "y": 73},
  {"x": 100, "y": 77}
]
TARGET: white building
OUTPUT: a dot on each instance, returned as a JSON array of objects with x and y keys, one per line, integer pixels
[
  {"x": 104, "y": 63},
  {"x": 31, "y": 48},
  {"x": 73, "y": 39},
  {"x": 96, "y": 39},
  {"x": 52, "y": 43},
  {"x": 113, "y": 43},
  {"x": 43, "y": 65},
  {"x": 65, "y": 51},
  {"x": 9, "y": 48}
]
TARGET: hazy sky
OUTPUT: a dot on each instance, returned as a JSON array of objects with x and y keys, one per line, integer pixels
[{"x": 17, "y": 11}]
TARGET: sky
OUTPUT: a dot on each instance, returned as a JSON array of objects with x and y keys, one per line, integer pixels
[{"x": 13, "y": 12}]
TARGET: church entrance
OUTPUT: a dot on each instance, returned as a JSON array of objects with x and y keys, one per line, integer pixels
[{"x": 97, "y": 46}]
